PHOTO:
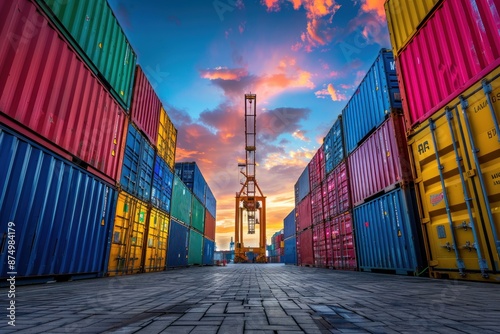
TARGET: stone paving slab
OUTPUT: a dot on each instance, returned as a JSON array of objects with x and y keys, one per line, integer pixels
[{"x": 256, "y": 298}]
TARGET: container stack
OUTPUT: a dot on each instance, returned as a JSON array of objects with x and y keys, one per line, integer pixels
[
  {"x": 276, "y": 249},
  {"x": 303, "y": 220},
  {"x": 451, "y": 94},
  {"x": 290, "y": 239}
]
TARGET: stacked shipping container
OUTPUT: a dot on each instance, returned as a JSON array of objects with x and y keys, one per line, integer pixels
[
  {"x": 290, "y": 239},
  {"x": 276, "y": 250}
]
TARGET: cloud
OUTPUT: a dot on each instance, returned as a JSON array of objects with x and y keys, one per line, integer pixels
[
  {"x": 272, "y": 5},
  {"x": 224, "y": 73},
  {"x": 376, "y": 6},
  {"x": 332, "y": 92},
  {"x": 299, "y": 134},
  {"x": 241, "y": 27},
  {"x": 275, "y": 122}
]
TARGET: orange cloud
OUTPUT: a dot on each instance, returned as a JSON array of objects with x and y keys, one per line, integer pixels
[
  {"x": 224, "y": 73},
  {"x": 374, "y": 5},
  {"x": 299, "y": 134},
  {"x": 272, "y": 5},
  {"x": 332, "y": 92}
]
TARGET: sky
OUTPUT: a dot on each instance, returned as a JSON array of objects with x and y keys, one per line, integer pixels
[{"x": 302, "y": 58}]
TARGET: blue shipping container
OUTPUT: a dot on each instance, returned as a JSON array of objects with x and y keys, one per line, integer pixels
[
  {"x": 334, "y": 146},
  {"x": 191, "y": 175},
  {"x": 177, "y": 249},
  {"x": 302, "y": 187},
  {"x": 210, "y": 202},
  {"x": 290, "y": 251},
  {"x": 161, "y": 193},
  {"x": 208, "y": 252},
  {"x": 138, "y": 162},
  {"x": 388, "y": 235},
  {"x": 289, "y": 225},
  {"x": 376, "y": 96},
  {"x": 62, "y": 215}
]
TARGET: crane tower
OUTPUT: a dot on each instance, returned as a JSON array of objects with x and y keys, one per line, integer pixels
[{"x": 250, "y": 202}]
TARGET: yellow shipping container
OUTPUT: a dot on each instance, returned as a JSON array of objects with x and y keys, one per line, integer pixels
[
  {"x": 156, "y": 250},
  {"x": 167, "y": 139},
  {"x": 456, "y": 158},
  {"x": 404, "y": 17},
  {"x": 127, "y": 241}
]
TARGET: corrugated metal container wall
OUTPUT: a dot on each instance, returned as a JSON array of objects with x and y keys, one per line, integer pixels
[
  {"x": 317, "y": 205},
  {"x": 403, "y": 19},
  {"x": 167, "y": 139},
  {"x": 128, "y": 240},
  {"x": 190, "y": 174},
  {"x": 338, "y": 198},
  {"x": 458, "y": 201},
  {"x": 380, "y": 162},
  {"x": 181, "y": 201},
  {"x": 302, "y": 186},
  {"x": 291, "y": 250},
  {"x": 208, "y": 252},
  {"x": 342, "y": 253},
  {"x": 376, "y": 96},
  {"x": 92, "y": 29},
  {"x": 464, "y": 36},
  {"x": 210, "y": 201},
  {"x": 51, "y": 92},
  {"x": 317, "y": 169},
  {"x": 334, "y": 146},
  {"x": 156, "y": 249},
  {"x": 197, "y": 215},
  {"x": 145, "y": 109},
  {"x": 177, "y": 250},
  {"x": 289, "y": 225},
  {"x": 63, "y": 216},
  {"x": 319, "y": 246},
  {"x": 304, "y": 248},
  {"x": 195, "y": 250},
  {"x": 387, "y": 235},
  {"x": 209, "y": 226},
  {"x": 303, "y": 217},
  {"x": 161, "y": 191}
]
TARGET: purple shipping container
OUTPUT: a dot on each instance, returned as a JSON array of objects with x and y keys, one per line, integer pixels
[
  {"x": 341, "y": 252},
  {"x": 52, "y": 97},
  {"x": 319, "y": 246},
  {"x": 338, "y": 199},
  {"x": 303, "y": 214},
  {"x": 381, "y": 162},
  {"x": 305, "y": 255},
  {"x": 318, "y": 195},
  {"x": 317, "y": 169},
  {"x": 457, "y": 46},
  {"x": 146, "y": 106}
]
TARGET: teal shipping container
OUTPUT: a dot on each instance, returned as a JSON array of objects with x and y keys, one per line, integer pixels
[
  {"x": 197, "y": 215},
  {"x": 181, "y": 202},
  {"x": 195, "y": 250}
]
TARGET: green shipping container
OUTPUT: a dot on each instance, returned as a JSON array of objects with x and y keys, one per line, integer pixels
[
  {"x": 198, "y": 215},
  {"x": 195, "y": 255},
  {"x": 181, "y": 202},
  {"x": 92, "y": 29}
]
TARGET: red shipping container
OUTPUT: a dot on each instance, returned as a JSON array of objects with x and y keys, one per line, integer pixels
[
  {"x": 145, "y": 109},
  {"x": 318, "y": 197},
  {"x": 338, "y": 199},
  {"x": 209, "y": 226},
  {"x": 319, "y": 246},
  {"x": 457, "y": 46},
  {"x": 304, "y": 248},
  {"x": 342, "y": 251},
  {"x": 380, "y": 162},
  {"x": 52, "y": 97},
  {"x": 303, "y": 214},
  {"x": 317, "y": 169}
]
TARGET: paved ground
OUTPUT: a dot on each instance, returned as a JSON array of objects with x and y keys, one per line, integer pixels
[{"x": 256, "y": 298}]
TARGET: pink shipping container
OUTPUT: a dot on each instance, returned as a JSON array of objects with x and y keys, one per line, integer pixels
[
  {"x": 317, "y": 169},
  {"x": 380, "y": 162},
  {"x": 318, "y": 196},
  {"x": 319, "y": 246},
  {"x": 145, "y": 110},
  {"x": 342, "y": 251},
  {"x": 338, "y": 199},
  {"x": 52, "y": 97},
  {"x": 303, "y": 214},
  {"x": 305, "y": 255},
  {"x": 457, "y": 46}
]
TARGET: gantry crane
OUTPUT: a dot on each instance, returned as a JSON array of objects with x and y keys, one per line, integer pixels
[{"x": 250, "y": 202}]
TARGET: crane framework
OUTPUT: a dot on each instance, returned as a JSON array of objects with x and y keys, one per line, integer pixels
[{"x": 250, "y": 201}]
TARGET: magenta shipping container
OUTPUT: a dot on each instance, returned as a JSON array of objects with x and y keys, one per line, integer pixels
[
  {"x": 145, "y": 106},
  {"x": 47, "y": 89},
  {"x": 457, "y": 46},
  {"x": 343, "y": 252},
  {"x": 305, "y": 248},
  {"x": 317, "y": 169},
  {"x": 337, "y": 199},
  {"x": 303, "y": 214},
  {"x": 380, "y": 162},
  {"x": 319, "y": 246},
  {"x": 318, "y": 195}
]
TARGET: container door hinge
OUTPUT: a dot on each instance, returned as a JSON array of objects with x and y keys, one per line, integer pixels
[
  {"x": 471, "y": 173},
  {"x": 424, "y": 221}
]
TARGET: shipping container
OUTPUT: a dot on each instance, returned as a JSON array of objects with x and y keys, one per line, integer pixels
[
  {"x": 457, "y": 46},
  {"x": 334, "y": 146},
  {"x": 167, "y": 139},
  {"x": 381, "y": 162},
  {"x": 145, "y": 108},
  {"x": 303, "y": 217},
  {"x": 197, "y": 215},
  {"x": 340, "y": 242},
  {"x": 302, "y": 186},
  {"x": 161, "y": 191},
  {"x": 62, "y": 215},
  {"x": 195, "y": 249},
  {"x": 177, "y": 248},
  {"x": 456, "y": 156},
  {"x": 129, "y": 236},
  {"x": 291, "y": 250},
  {"x": 52, "y": 98},
  {"x": 319, "y": 246},
  {"x": 404, "y": 18},
  {"x": 208, "y": 252},
  {"x": 305, "y": 252},
  {"x": 317, "y": 196},
  {"x": 376, "y": 96},
  {"x": 388, "y": 237},
  {"x": 209, "y": 226},
  {"x": 210, "y": 202},
  {"x": 317, "y": 169},
  {"x": 191, "y": 175},
  {"x": 138, "y": 164},
  {"x": 93, "y": 31},
  {"x": 181, "y": 202},
  {"x": 338, "y": 198},
  {"x": 157, "y": 237},
  {"x": 289, "y": 225}
]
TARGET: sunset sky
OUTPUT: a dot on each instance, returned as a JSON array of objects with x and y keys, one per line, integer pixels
[{"x": 303, "y": 59}]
